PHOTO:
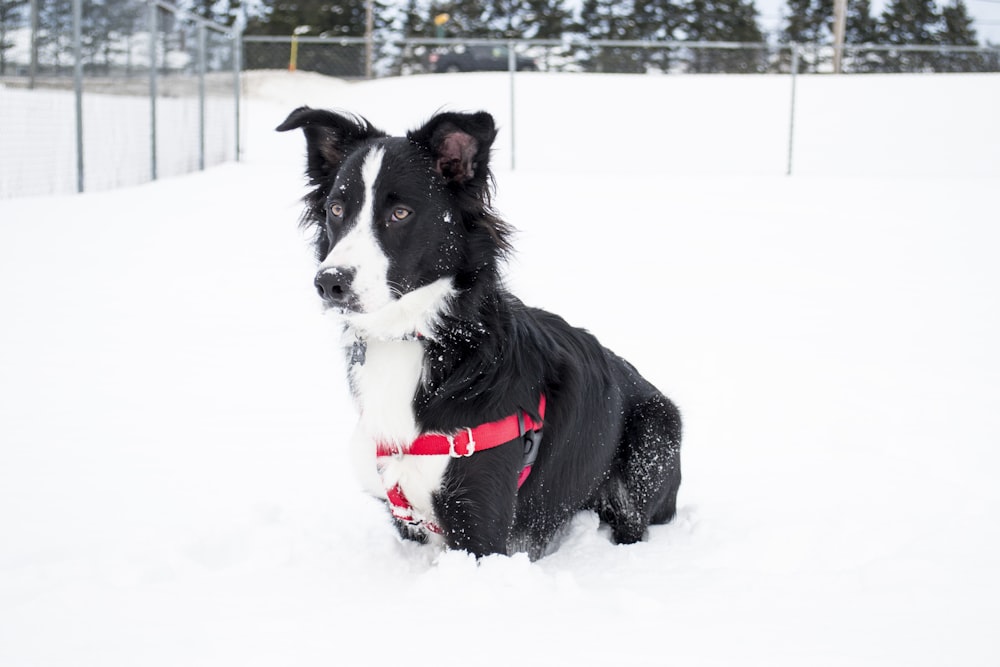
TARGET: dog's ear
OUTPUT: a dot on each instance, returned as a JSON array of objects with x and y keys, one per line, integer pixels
[
  {"x": 329, "y": 138},
  {"x": 460, "y": 145}
]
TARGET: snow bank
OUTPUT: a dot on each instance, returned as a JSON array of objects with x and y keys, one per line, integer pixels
[{"x": 173, "y": 486}]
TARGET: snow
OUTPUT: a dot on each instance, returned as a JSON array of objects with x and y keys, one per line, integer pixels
[{"x": 175, "y": 484}]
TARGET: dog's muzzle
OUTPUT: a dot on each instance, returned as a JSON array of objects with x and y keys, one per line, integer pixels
[{"x": 334, "y": 286}]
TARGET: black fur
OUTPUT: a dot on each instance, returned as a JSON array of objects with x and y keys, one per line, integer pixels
[{"x": 611, "y": 440}]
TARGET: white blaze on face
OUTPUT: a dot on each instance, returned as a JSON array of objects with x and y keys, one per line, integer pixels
[
  {"x": 380, "y": 315},
  {"x": 359, "y": 249}
]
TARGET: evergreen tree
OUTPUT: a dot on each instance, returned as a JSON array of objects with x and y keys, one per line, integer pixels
[
  {"x": 417, "y": 20},
  {"x": 338, "y": 18},
  {"x": 526, "y": 19},
  {"x": 910, "y": 22},
  {"x": 957, "y": 27},
  {"x": 468, "y": 18},
  {"x": 808, "y": 21},
  {"x": 323, "y": 18},
  {"x": 632, "y": 20},
  {"x": 551, "y": 19},
  {"x": 55, "y": 33},
  {"x": 725, "y": 21},
  {"x": 861, "y": 28},
  {"x": 957, "y": 30},
  {"x": 13, "y": 15},
  {"x": 610, "y": 20},
  {"x": 223, "y": 12},
  {"x": 106, "y": 28}
]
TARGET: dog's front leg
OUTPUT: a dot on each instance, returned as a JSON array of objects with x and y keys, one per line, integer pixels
[
  {"x": 475, "y": 506},
  {"x": 363, "y": 460}
]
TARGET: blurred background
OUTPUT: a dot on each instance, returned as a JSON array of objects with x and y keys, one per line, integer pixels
[{"x": 90, "y": 87}]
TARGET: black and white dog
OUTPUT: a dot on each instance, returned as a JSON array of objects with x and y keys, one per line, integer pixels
[{"x": 483, "y": 422}]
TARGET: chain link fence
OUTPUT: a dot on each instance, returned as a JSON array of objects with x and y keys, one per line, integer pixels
[
  {"x": 349, "y": 57},
  {"x": 154, "y": 91},
  {"x": 112, "y": 94}
]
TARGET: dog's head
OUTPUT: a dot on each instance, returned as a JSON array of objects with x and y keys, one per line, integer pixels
[{"x": 402, "y": 224}]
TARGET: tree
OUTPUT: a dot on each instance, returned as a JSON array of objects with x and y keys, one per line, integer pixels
[
  {"x": 631, "y": 20},
  {"x": 910, "y": 22},
  {"x": 527, "y": 19},
  {"x": 610, "y": 20},
  {"x": 808, "y": 21},
  {"x": 862, "y": 28},
  {"x": 725, "y": 21},
  {"x": 223, "y": 12},
  {"x": 468, "y": 18},
  {"x": 957, "y": 30},
  {"x": 322, "y": 18},
  {"x": 106, "y": 28},
  {"x": 12, "y": 16},
  {"x": 340, "y": 18},
  {"x": 957, "y": 27},
  {"x": 55, "y": 33}
]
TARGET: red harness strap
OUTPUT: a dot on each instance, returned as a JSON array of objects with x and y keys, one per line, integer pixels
[{"x": 464, "y": 443}]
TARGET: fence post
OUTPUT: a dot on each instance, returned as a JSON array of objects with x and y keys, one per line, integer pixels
[
  {"x": 512, "y": 68},
  {"x": 237, "y": 83},
  {"x": 201, "y": 95},
  {"x": 791, "y": 117},
  {"x": 153, "y": 30},
  {"x": 78, "y": 87},
  {"x": 33, "y": 64}
]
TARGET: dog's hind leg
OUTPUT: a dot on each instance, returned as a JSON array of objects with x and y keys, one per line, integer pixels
[{"x": 643, "y": 484}]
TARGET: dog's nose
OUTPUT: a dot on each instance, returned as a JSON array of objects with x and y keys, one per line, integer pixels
[{"x": 334, "y": 285}]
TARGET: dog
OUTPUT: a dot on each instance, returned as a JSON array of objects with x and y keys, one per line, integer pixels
[{"x": 484, "y": 424}]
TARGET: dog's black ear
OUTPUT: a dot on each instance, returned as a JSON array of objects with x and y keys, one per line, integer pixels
[
  {"x": 329, "y": 138},
  {"x": 460, "y": 145}
]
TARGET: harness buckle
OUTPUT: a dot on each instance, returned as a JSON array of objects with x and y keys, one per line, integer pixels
[
  {"x": 470, "y": 448},
  {"x": 532, "y": 440}
]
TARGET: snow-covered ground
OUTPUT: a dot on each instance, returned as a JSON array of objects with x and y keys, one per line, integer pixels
[{"x": 173, "y": 481}]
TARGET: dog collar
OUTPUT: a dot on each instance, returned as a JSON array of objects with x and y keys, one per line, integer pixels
[{"x": 462, "y": 444}]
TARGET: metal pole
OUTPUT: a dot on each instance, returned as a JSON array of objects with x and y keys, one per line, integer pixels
[
  {"x": 791, "y": 117},
  {"x": 33, "y": 66},
  {"x": 511, "y": 68},
  {"x": 201, "y": 95},
  {"x": 839, "y": 28},
  {"x": 369, "y": 37},
  {"x": 153, "y": 30},
  {"x": 237, "y": 84},
  {"x": 78, "y": 88}
]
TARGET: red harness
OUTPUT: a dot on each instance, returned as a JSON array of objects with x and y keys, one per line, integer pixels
[{"x": 464, "y": 443}]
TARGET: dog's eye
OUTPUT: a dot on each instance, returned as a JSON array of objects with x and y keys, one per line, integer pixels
[
  {"x": 337, "y": 209},
  {"x": 401, "y": 213}
]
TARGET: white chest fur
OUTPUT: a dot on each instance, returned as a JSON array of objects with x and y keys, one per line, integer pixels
[{"x": 384, "y": 386}]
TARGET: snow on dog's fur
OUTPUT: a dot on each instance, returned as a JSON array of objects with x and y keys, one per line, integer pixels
[{"x": 410, "y": 252}]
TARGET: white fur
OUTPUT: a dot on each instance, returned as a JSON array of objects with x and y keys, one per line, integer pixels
[
  {"x": 385, "y": 383},
  {"x": 384, "y": 387},
  {"x": 359, "y": 249},
  {"x": 414, "y": 312}
]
